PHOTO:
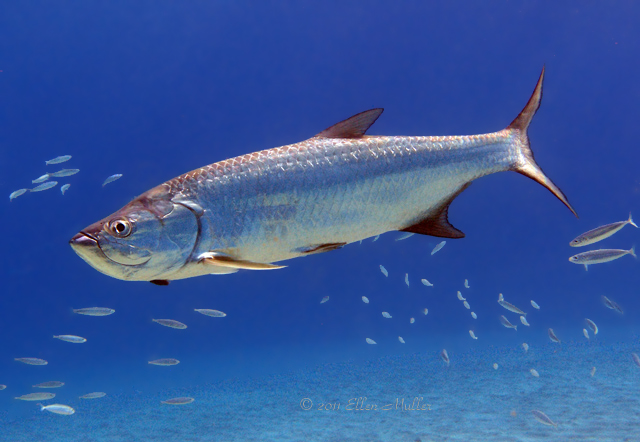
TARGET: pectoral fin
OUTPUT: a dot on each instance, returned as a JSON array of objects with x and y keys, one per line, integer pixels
[{"x": 216, "y": 259}]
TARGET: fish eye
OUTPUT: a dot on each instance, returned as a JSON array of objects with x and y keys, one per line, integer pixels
[{"x": 120, "y": 228}]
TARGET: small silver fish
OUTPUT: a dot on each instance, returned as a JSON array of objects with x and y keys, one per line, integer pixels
[
  {"x": 460, "y": 297},
  {"x": 384, "y": 271},
  {"x": 71, "y": 338},
  {"x": 504, "y": 321},
  {"x": 17, "y": 193},
  {"x": 323, "y": 300},
  {"x": 94, "y": 311},
  {"x": 179, "y": 401},
  {"x": 405, "y": 236},
  {"x": 2, "y": 387},
  {"x": 42, "y": 179},
  {"x": 412, "y": 320},
  {"x": 438, "y": 247},
  {"x": 592, "y": 325},
  {"x": 58, "y": 160},
  {"x": 376, "y": 238},
  {"x": 600, "y": 256},
  {"x": 511, "y": 307},
  {"x": 466, "y": 284},
  {"x": 166, "y": 362},
  {"x": 401, "y": 340},
  {"x": 370, "y": 341},
  {"x": 45, "y": 186},
  {"x": 535, "y": 305},
  {"x": 170, "y": 323},
  {"x": 111, "y": 179},
  {"x": 524, "y": 321},
  {"x": 636, "y": 359},
  {"x": 525, "y": 347},
  {"x": 64, "y": 410},
  {"x": 406, "y": 279},
  {"x": 495, "y": 366},
  {"x": 386, "y": 315},
  {"x": 216, "y": 313},
  {"x": 473, "y": 315},
  {"x": 593, "y": 371},
  {"x": 64, "y": 172},
  {"x": 600, "y": 233},
  {"x": 445, "y": 356},
  {"x": 49, "y": 384},
  {"x": 534, "y": 373},
  {"x": 611, "y": 305},
  {"x": 427, "y": 283},
  {"x": 365, "y": 300},
  {"x": 466, "y": 305},
  {"x": 585, "y": 333},
  {"x": 543, "y": 418},
  {"x": 36, "y": 397},
  {"x": 425, "y": 311},
  {"x": 472, "y": 334},
  {"x": 64, "y": 188},
  {"x": 553, "y": 336},
  {"x": 31, "y": 361},
  {"x": 95, "y": 395}
]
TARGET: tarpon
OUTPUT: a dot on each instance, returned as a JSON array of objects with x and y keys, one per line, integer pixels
[{"x": 336, "y": 188}]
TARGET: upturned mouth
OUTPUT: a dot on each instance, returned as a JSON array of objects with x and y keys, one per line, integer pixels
[{"x": 83, "y": 239}]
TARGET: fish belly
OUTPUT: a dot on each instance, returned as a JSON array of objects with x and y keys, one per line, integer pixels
[{"x": 276, "y": 204}]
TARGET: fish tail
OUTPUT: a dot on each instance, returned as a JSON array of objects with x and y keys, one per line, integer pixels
[
  {"x": 526, "y": 165},
  {"x": 630, "y": 221},
  {"x": 632, "y": 252},
  {"x": 41, "y": 406}
]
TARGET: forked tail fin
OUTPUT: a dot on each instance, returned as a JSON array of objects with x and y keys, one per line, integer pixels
[{"x": 527, "y": 166}]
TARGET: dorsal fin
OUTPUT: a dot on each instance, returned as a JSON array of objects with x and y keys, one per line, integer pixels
[
  {"x": 354, "y": 127},
  {"x": 438, "y": 224}
]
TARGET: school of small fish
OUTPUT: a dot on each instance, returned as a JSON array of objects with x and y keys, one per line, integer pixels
[
  {"x": 45, "y": 184},
  {"x": 66, "y": 410}
]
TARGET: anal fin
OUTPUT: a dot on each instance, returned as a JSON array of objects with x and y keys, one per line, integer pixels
[
  {"x": 219, "y": 260},
  {"x": 438, "y": 223}
]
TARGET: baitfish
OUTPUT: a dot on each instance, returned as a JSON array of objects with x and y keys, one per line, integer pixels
[
  {"x": 511, "y": 307},
  {"x": 600, "y": 256},
  {"x": 71, "y": 338},
  {"x": 336, "y": 188},
  {"x": 58, "y": 160},
  {"x": 600, "y": 233},
  {"x": 64, "y": 172},
  {"x": 504, "y": 321},
  {"x": 95, "y": 395},
  {"x": 111, "y": 179},
  {"x": 45, "y": 186},
  {"x": 94, "y": 311},
  {"x": 64, "y": 410}
]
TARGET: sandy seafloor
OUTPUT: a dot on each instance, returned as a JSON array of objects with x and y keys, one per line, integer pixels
[{"x": 468, "y": 401}]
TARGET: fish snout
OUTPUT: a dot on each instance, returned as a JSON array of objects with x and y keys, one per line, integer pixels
[{"x": 82, "y": 240}]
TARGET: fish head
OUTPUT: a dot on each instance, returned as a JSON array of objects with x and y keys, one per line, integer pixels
[{"x": 147, "y": 239}]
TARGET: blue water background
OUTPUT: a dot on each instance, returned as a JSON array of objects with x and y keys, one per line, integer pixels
[{"x": 153, "y": 89}]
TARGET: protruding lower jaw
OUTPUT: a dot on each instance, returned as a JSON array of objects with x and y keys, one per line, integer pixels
[{"x": 88, "y": 249}]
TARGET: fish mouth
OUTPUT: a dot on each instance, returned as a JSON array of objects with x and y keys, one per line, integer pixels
[{"x": 83, "y": 239}]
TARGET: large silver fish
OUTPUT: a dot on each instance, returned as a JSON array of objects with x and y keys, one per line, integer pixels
[{"x": 336, "y": 188}]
